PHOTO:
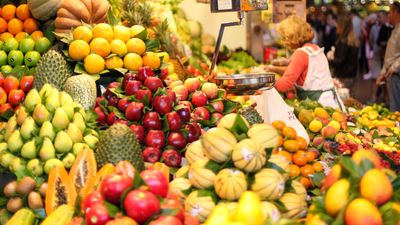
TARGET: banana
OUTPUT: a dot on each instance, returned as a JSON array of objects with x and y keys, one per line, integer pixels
[
  {"x": 61, "y": 216},
  {"x": 22, "y": 217}
]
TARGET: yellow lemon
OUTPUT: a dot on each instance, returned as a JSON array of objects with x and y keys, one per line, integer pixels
[
  {"x": 152, "y": 60},
  {"x": 133, "y": 61},
  {"x": 165, "y": 56},
  {"x": 103, "y": 30},
  {"x": 82, "y": 33},
  {"x": 78, "y": 50},
  {"x": 100, "y": 46},
  {"x": 118, "y": 47},
  {"x": 94, "y": 64},
  {"x": 137, "y": 29},
  {"x": 114, "y": 62},
  {"x": 315, "y": 126},
  {"x": 335, "y": 124},
  {"x": 122, "y": 33},
  {"x": 136, "y": 45}
]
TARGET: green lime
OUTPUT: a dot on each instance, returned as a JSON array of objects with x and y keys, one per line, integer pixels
[
  {"x": 6, "y": 69},
  {"x": 42, "y": 45},
  {"x": 3, "y": 58},
  {"x": 11, "y": 44},
  {"x": 31, "y": 58},
  {"x": 15, "y": 58},
  {"x": 26, "y": 45}
]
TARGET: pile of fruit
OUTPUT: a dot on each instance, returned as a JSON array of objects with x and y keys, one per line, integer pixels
[
  {"x": 12, "y": 93},
  {"x": 231, "y": 159}
]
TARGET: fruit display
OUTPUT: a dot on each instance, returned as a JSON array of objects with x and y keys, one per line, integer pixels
[
  {"x": 229, "y": 160},
  {"x": 49, "y": 129},
  {"x": 17, "y": 21}
]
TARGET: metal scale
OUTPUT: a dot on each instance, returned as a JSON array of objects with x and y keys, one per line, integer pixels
[{"x": 239, "y": 84}]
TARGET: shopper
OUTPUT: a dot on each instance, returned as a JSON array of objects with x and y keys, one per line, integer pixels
[
  {"x": 308, "y": 70},
  {"x": 329, "y": 35},
  {"x": 346, "y": 50},
  {"x": 391, "y": 67}
]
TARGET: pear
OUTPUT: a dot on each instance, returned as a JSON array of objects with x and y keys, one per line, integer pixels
[
  {"x": 28, "y": 150},
  {"x": 53, "y": 101},
  {"x": 47, "y": 151},
  {"x": 52, "y": 163},
  {"x": 69, "y": 110},
  {"x": 74, "y": 133},
  {"x": 35, "y": 167},
  {"x": 82, "y": 112},
  {"x": 68, "y": 160},
  {"x": 78, "y": 148},
  {"x": 47, "y": 130},
  {"x": 46, "y": 90},
  {"x": 6, "y": 159},
  {"x": 60, "y": 120},
  {"x": 15, "y": 142},
  {"x": 22, "y": 114},
  {"x": 32, "y": 99},
  {"x": 40, "y": 114},
  {"x": 3, "y": 147},
  {"x": 91, "y": 141},
  {"x": 63, "y": 142},
  {"x": 79, "y": 121},
  {"x": 10, "y": 127},
  {"x": 28, "y": 128},
  {"x": 65, "y": 98},
  {"x": 17, "y": 164}
]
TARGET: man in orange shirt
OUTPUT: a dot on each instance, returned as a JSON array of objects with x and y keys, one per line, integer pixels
[{"x": 308, "y": 70}]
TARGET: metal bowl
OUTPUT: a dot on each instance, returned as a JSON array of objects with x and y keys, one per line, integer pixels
[{"x": 246, "y": 84}]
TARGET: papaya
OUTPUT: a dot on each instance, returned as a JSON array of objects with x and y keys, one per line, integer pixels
[
  {"x": 83, "y": 170},
  {"x": 60, "y": 190},
  {"x": 94, "y": 184}
]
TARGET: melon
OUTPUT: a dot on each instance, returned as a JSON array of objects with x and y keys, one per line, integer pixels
[
  {"x": 230, "y": 184},
  {"x": 82, "y": 89},
  {"x": 218, "y": 144},
  {"x": 180, "y": 186},
  {"x": 296, "y": 206},
  {"x": 200, "y": 204},
  {"x": 266, "y": 135},
  {"x": 182, "y": 172},
  {"x": 200, "y": 175},
  {"x": 248, "y": 155},
  {"x": 194, "y": 152},
  {"x": 228, "y": 121},
  {"x": 281, "y": 164},
  {"x": 270, "y": 211},
  {"x": 299, "y": 189},
  {"x": 268, "y": 184}
]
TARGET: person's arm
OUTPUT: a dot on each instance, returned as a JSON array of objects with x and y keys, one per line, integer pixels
[
  {"x": 276, "y": 69},
  {"x": 298, "y": 65},
  {"x": 341, "y": 51}
]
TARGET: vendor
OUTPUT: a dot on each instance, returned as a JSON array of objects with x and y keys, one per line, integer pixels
[{"x": 308, "y": 70}]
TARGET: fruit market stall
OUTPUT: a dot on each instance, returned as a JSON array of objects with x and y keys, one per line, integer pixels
[{"x": 104, "y": 119}]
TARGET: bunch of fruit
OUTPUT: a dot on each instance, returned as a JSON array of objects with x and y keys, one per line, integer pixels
[
  {"x": 48, "y": 129},
  {"x": 370, "y": 117},
  {"x": 358, "y": 191},
  {"x": 12, "y": 93},
  {"x": 25, "y": 52},
  {"x": 163, "y": 120},
  {"x": 229, "y": 160},
  {"x": 17, "y": 191},
  {"x": 17, "y": 22},
  {"x": 113, "y": 47},
  {"x": 303, "y": 165}
]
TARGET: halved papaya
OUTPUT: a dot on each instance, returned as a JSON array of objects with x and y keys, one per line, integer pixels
[
  {"x": 83, "y": 169},
  {"x": 94, "y": 184},
  {"x": 60, "y": 190}
]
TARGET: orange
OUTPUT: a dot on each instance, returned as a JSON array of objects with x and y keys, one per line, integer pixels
[
  {"x": 82, "y": 33},
  {"x": 20, "y": 36},
  {"x": 94, "y": 64},
  {"x": 5, "y": 36},
  {"x": 122, "y": 33},
  {"x": 23, "y": 12},
  {"x": 301, "y": 142},
  {"x": 306, "y": 182},
  {"x": 310, "y": 156},
  {"x": 132, "y": 61},
  {"x": 299, "y": 158},
  {"x": 8, "y": 12},
  {"x": 136, "y": 45},
  {"x": 286, "y": 154},
  {"x": 278, "y": 124},
  {"x": 100, "y": 46},
  {"x": 318, "y": 167},
  {"x": 36, "y": 35},
  {"x": 103, "y": 30},
  {"x": 3, "y": 25},
  {"x": 151, "y": 60},
  {"x": 114, "y": 62},
  {"x": 15, "y": 26},
  {"x": 280, "y": 141},
  {"x": 30, "y": 25},
  {"x": 289, "y": 133},
  {"x": 78, "y": 50},
  {"x": 118, "y": 47},
  {"x": 291, "y": 145},
  {"x": 306, "y": 170},
  {"x": 294, "y": 170}
]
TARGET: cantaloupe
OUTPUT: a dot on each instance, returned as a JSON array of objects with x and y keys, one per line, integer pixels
[
  {"x": 248, "y": 155},
  {"x": 268, "y": 184},
  {"x": 230, "y": 184}
]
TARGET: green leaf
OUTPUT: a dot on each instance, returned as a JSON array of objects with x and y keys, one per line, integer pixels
[
  {"x": 79, "y": 69},
  {"x": 3, "y": 201},
  {"x": 112, "y": 17},
  {"x": 375, "y": 135},
  {"x": 396, "y": 183},
  {"x": 317, "y": 178},
  {"x": 230, "y": 106},
  {"x": 239, "y": 128},
  {"x": 152, "y": 45},
  {"x": 4, "y": 216},
  {"x": 213, "y": 166},
  {"x": 274, "y": 166},
  {"x": 112, "y": 209},
  {"x": 268, "y": 152},
  {"x": 351, "y": 167},
  {"x": 169, "y": 211},
  {"x": 40, "y": 213},
  {"x": 142, "y": 35},
  {"x": 366, "y": 165}
]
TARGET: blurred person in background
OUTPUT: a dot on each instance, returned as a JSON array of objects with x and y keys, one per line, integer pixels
[
  {"x": 329, "y": 32},
  {"x": 341, "y": 58},
  {"x": 358, "y": 31}
]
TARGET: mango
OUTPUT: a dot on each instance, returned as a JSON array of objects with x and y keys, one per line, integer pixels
[
  {"x": 52, "y": 163},
  {"x": 46, "y": 90},
  {"x": 10, "y": 127},
  {"x": 321, "y": 113},
  {"x": 328, "y": 132},
  {"x": 40, "y": 114},
  {"x": 360, "y": 211},
  {"x": 6, "y": 159},
  {"x": 15, "y": 142},
  {"x": 337, "y": 196},
  {"x": 376, "y": 187},
  {"x": 28, "y": 150},
  {"x": 35, "y": 167},
  {"x": 79, "y": 121},
  {"x": 65, "y": 98},
  {"x": 371, "y": 155},
  {"x": 306, "y": 116},
  {"x": 68, "y": 160},
  {"x": 74, "y": 133},
  {"x": 53, "y": 100},
  {"x": 22, "y": 114},
  {"x": 17, "y": 164},
  {"x": 332, "y": 177}
]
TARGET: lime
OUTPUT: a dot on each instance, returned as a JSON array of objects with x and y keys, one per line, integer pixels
[
  {"x": 6, "y": 69},
  {"x": 42, "y": 45},
  {"x": 31, "y": 58},
  {"x": 3, "y": 58},
  {"x": 11, "y": 44},
  {"x": 26, "y": 45},
  {"x": 15, "y": 58}
]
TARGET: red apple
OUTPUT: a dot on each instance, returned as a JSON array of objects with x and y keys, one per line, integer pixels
[
  {"x": 187, "y": 104},
  {"x": 216, "y": 117},
  {"x": 153, "y": 83},
  {"x": 122, "y": 121},
  {"x": 10, "y": 83},
  {"x": 113, "y": 101},
  {"x": 184, "y": 114},
  {"x": 99, "y": 100},
  {"x": 15, "y": 97},
  {"x": 4, "y": 108},
  {"x": 171, "y": 95},
  {"x": 174, "y": 204},
  {"x": 91, "y": 199},
  {"x": 194, "y": 132},
  {"x": 201, "y": 113},
  {"x": 192, "y": 84},
  {"x": 218, "y": 106},
  {"x": 26, "y": 83},
  {"x": 97, "y": 215},
  {"x": 3, "y": 96},
  {"x": 151, "y": 154},
  {"x": 142, "y": 94},
  {"x": 171, "y": 158},
  {"x": 199, "y": 98},
  {"x": 141, "y": 205},
  {"x": 156, "y": 181},
  {"x": 1, "y": 80},
  {"x": 123, "y": 104},
  {"x": 111, "y": 118},
  {"x": 152, "y": 121},
  {"x": 166, "y": 220},
  {"x": 138, "y": 130},
  {"x": 176, "y": 139},
  {"x": 134, "y": 112},
  {"x": 125, "y": 168},
  {"x": 175, "y": 83},
  {"x": 190, "y": 69},
  {"x": 162, "y": 104},
  {"x": 210, "y": 89},
  {"x": 181, "y": 91},
  {"x": 114, "y": 185},
  {"x": 132, "y": 87},
  {"x": 155, "y": 138},
  {"x": 144, "y": 72},
  {"x": 174, "y": 121},
  {"x": 114, "y": 84},
  {"x": 164, "y": 73},
  {"x": 128, "y": 77}
]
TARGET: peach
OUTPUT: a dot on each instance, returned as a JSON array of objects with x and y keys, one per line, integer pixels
[
  {"x": 192, "y": 84},
  {"x": 328, "y": 132},
  {"x": 376, "y": 186},
  {"x": 210, "y": 89},
  {"x": 332, "y": 177},
  {"x": 371, "y": 155},
  {"x": 337, "y": 196},
  {"x": 175, "y": 83},
  {"x": 318, "y": 141},
  {"x": 181, "y": 92},
  {"x": 360, "y": 211}
]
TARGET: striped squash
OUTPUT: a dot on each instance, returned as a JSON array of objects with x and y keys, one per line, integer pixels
[
  {"x": 248, "y": 155},
  {"x": 268, "y": 184},
  {"x": 266, "y": 135},
  {"x": 230, "y": 184},
  {"x": 200, "y": 204},
  {"x": 218, "y": 144},
  {"x": 194, "y": 151},
  {"x": 200, "y": 176},
  {"x": 296, "y": 206}
]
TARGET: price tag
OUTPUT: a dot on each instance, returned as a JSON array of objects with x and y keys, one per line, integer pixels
[{"x": 225, "y": 5}]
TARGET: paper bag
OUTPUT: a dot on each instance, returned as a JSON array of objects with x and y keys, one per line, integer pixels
[{"x": 271, "y": 107}]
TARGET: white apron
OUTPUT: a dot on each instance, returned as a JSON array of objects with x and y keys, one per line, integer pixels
[{"x": 319, "y": 79}]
